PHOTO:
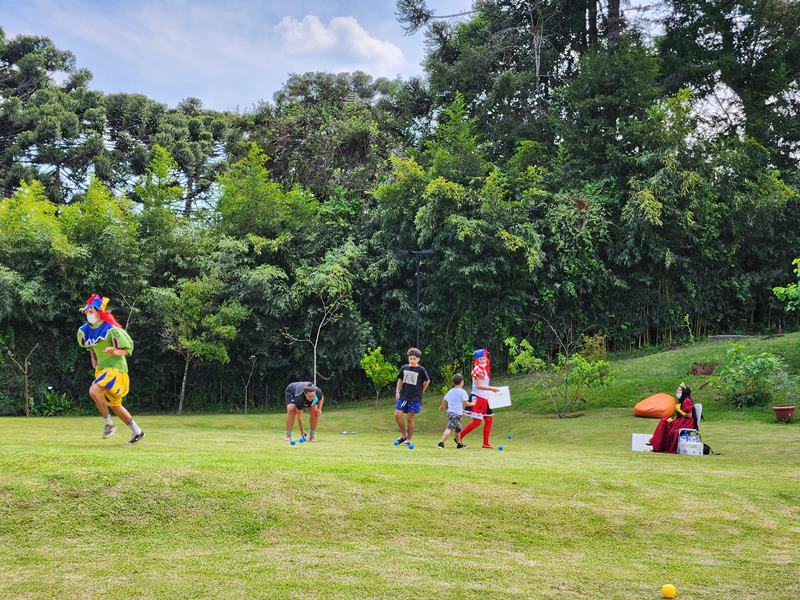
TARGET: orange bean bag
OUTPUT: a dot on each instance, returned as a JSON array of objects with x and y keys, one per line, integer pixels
[{"x": 657, "y": 406}]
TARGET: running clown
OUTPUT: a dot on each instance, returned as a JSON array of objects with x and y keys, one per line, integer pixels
[{"x": 108, "y": 345}]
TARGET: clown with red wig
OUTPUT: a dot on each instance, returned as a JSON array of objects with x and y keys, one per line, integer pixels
[
  {"x": 108, "y": 345},
  {"x": 481, "y": 413}
]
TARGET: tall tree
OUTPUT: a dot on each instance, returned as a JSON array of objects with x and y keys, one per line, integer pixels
[
  {"x": 200, "y": 323},
  {"x": 751, "y": 46},
  {"x": 49, "y": 131}
]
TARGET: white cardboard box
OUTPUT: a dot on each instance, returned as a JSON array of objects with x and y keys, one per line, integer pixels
[
  {"x": 499, "y": 399},
  {"x": 639, "y": 442}
]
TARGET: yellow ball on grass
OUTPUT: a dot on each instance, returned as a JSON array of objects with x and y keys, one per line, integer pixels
[{"x": 668, "y": 591}]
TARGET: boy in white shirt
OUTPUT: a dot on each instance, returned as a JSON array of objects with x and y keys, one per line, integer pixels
[{"x": 455, "y": 400}]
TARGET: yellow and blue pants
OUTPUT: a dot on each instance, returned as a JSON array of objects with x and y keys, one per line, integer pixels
[{"x": 115, "y": 384}]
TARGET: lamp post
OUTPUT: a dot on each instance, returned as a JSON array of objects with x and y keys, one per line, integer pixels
[{"x": 418, "y": 254}]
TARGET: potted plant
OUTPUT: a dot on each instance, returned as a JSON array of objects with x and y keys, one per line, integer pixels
[{"x": 784, "y": 414}]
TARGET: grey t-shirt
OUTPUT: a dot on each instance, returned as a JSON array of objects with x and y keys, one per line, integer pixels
[
  {"x": 455, "y": 400},
  {"x": 294, "y": 393}
]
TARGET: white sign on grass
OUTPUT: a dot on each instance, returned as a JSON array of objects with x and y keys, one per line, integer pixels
[{"x": 499, "y": 399}]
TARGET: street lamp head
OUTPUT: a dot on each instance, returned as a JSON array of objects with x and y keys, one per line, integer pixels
[{"x": 409, "y": 252}]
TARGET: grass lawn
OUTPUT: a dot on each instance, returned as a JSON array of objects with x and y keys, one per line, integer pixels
[{"x": 219, "y": 506}]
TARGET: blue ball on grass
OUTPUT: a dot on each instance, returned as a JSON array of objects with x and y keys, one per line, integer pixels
[
  {"x": 292, "y": 442},
  {"x": 302, "y": 439},
  {"x": 396, "y": 443},
  {"x": 411, "y": 446},
  {"x": 510, "y": 436},
  {"x": 500, "y": 448}
]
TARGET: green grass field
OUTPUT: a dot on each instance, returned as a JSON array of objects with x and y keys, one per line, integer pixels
[{"x": 219, "y": 506}]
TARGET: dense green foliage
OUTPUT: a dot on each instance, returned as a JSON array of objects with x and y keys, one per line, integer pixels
[
  {"x": 753, "y": 379},
  {"x": 790, "y": 293},
  {"x": 557, "y": 161}
]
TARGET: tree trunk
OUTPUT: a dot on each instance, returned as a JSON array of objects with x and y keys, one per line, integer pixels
[
  {"x": 315, "y": 364},
  {"x": 183, "y": 384},
  {"x": 26, "y": 390},
  {"x": 591, "y": 9},
  {"x": 24, "y": 369},
  {"x": 614, "y": 24},
  {"x": 188, "y": 197}
]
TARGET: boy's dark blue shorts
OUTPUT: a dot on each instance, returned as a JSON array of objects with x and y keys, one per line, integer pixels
[{"x": 408, "y": 407}]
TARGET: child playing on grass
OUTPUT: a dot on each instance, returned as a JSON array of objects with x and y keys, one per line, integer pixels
[
  {"x": 455, "y": 400},
  {"x": 412, "y": 381},
  {"x": 481, "y": 412}
]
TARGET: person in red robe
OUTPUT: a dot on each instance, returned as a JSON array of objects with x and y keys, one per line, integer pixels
[{"x": 665, "y": 437}]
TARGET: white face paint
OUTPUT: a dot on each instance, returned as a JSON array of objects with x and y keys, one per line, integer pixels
[{"x": 92, "y": 318}]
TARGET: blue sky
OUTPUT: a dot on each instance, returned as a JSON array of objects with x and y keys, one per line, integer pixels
[{"x": 230, "y": 54}]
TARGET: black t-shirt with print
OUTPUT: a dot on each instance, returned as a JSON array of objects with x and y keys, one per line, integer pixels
[
  {"x": 412, "y": 378},
  {"x": 295, "y": 395}
]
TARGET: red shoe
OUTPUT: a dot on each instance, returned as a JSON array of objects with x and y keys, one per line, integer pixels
[{"x": 487, "y": 446}]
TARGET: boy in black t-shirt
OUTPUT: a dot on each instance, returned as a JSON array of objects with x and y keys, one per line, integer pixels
[{"x": 412, "y": 381}]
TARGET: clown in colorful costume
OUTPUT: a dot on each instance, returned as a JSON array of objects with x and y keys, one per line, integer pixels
[
  {"x": 108, "y": 345},
  {"x": 480, "y": 412},
  {"x": 111, "y": 372}
]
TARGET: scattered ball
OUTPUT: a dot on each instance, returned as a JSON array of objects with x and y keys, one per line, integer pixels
[
  {"x": 411, "y": 446},
  {"x": 669, "y": 591},
  {"x": 500, "y": 448},
  {"x": 510, "y": 436},
  {"x": 302, "y": 440},
  {"x": 396, "y": 443},
  {"x": 292, "y": 442}
]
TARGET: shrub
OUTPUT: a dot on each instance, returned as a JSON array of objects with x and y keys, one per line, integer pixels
[
  {"x": 522, "y": 357},
  {"x": 52, "y": 404},
  {"x": 447, "y": 371},
  {"x": 791, "y": 293},
  {"x": 752, "y": 379},
  {"x": 567, "y": 381},
  {"x": 594, "y": 347},
  {"x": 380, "y": 372}
]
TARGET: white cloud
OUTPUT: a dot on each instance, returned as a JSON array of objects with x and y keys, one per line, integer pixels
[
  {"x": 308, "y": 36},
  {"x": 227, "y": 54},
  {"x": 343, "y": 39}
]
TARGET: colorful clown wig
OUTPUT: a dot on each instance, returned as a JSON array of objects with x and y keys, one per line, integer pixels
[
  {"x": 99, "y": 303},
  {"x": 482, "y": 353}
]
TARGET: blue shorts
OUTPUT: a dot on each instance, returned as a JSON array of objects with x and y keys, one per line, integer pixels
[{"x": 408, "y": 406}]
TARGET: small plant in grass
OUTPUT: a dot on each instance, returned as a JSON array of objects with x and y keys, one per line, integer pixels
[
  {"x": 752, "y": 379},
  {"x": 688, "y": 326},
  {"x": 52, "y": 404},
  {"x": 569, "y": 378},
  {"x": 380, "y": 372}
]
